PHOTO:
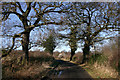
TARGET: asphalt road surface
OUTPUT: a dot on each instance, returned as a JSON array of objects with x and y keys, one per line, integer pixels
[{"x": 68, "y": 70}]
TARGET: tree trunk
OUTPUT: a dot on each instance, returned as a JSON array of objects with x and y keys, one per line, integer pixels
[
  {"x": 25, "y": 43},
  {"x": 86, "y": 51},
  {"x": 72, "y": 54},
  {"x": 51, "y": 53}
]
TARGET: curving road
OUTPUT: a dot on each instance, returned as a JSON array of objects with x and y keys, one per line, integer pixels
[{"x": 68, "y": 70}]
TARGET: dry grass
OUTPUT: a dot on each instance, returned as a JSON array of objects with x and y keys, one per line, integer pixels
[
  {"x": 105, "y": 71},
  {"x": 38, "y": 66},
  {"x": 108, "y": 66}
]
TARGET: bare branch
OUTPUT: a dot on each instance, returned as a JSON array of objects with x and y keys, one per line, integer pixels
[
  {"x": 51, "y": 6},
  {"x": 28, "y": 8},
  {"x": 8, "y": 52},
  {"x": 10, "y": 12},
  {"x": 19, "y": 6}
]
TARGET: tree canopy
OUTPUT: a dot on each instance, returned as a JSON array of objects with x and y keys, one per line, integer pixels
[{"x": 85, "y": 22}]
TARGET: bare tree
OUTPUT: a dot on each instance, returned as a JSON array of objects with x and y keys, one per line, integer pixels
[
  {"x": 92, "y": 20},
  {"x": 72, "y": 38},
  {"x": 40, "y": 14},
  {"x": 96, "y": 19}
]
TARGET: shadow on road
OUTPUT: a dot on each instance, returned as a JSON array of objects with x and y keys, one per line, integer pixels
[{"x": 68, "y": 70}]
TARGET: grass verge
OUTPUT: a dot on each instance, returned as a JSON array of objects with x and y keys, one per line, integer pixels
[{"x": 14, "y": 68}]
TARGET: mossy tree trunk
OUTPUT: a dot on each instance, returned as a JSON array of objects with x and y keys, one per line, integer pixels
[
  {"x": 25, "y": 43},
  {"x": 86, "y": 51}
]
